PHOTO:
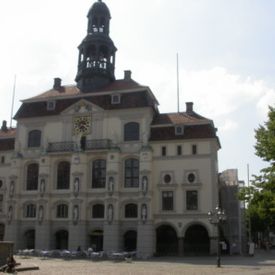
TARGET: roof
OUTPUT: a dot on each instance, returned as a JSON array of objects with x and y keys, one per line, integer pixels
[
  {"x": 195, "y": 127},
  {"x": 7, "y": 144},
  {"x": 9, "y": 133},
  {"x": 99, "y": 8},
  {"x": 179, "y": 118},
  {"x": 190, "y": 132},
  {"x": 72, "y": 90},
  {"x": 137, "y": 99},
  {"x": 7, "y": 139}
]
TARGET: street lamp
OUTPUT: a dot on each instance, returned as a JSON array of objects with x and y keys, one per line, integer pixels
[{"x": 217, "y": 217}]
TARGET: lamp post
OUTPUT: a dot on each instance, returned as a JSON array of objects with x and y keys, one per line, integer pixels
[{"x": 217, "y": 217}]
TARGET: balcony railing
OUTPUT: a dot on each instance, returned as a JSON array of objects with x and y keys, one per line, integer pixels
[
  {"x": 98, "y": 144},
  {"x": 70, "y": 146},
  {"x": 61, "y": 146}
]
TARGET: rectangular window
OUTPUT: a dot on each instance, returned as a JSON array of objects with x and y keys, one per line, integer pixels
[
  {"x": 191, "y": 200},
  {"x": 1, "y": 203},
  {"x": 179, "y": 150},
  {"x": 51, "y": 105},
  {"x": 30, "y": 211},
  {"x": 131, "y": 210},
  {"x": 167, "y": 201},
  {"x": 98, "y": 211},
  {"x": 99, "y": 173},
  {"x": 115, "y": 99},
  {"x": 34, "y": 139},
  {"x": 131, "y": 131},
  {"x": 131, "y": 173},
  {"x": 2, "y": 159},
  {"x": 163, "y": 151},
  {"x": 194, "y": 149},
  {"x": 62, "y": 211},
  {"x": 179, "y": 130}
]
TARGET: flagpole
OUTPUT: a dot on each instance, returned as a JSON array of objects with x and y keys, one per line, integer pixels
[
  {"x": 178, "y": 85},
  {"x": 12, "y": 103}
]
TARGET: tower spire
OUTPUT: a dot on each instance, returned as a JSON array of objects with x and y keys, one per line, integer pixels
[{"x": 96, "y": 63}]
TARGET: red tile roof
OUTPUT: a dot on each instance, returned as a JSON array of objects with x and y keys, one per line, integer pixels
[
  {"x": 178, "y": 118},
  {"x": 7, "y": 139},
  {"x": 7, "y": 144},
  {"x": 195, "y": 127},
  {"x": 138, "y": 99},
  {"x": 10, "y": 133},
  {"x": 117, "y": 85},
  {"x": 190, "y": 132}
]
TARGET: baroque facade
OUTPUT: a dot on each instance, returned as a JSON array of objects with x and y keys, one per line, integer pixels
[{"x": 97, "y": 165}]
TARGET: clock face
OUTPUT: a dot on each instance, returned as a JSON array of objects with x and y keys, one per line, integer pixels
[{"x": 82, "y": 125}]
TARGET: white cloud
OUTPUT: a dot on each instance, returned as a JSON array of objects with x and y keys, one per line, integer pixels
[
  {"x": 216, "y": 93},
  {"x": 268, "y": 99},
  {"x": 229, "y": 125}
]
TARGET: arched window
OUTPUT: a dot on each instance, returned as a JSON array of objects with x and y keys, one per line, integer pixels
[
  {"x": 98, "y": 211},
  {"x": 63, "y": 175},
  {"x": 34, "y": 138},
  {"x": 131, "y": 170},
  {"x": 102, "y": 24},
  {"x": 62, "y": 211},
  {"x": 30, "y": 211},
  {"x": 99, "y": 173},
  {"x": 32, "y": 176},
  {"x": 131, "y": 210},
  {"x": 131, "y": 131}
]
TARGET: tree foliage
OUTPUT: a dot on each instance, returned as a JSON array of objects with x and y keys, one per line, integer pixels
[
  {"x": 261, "y": 194},
  {"x": 265, "y": 138}
]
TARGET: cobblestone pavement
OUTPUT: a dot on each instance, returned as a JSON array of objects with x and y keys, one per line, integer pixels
[{"x": 262, "y": 263}]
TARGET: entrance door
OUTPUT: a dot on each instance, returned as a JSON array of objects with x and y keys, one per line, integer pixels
[
  {"x": 61, "y": 239},
  {"x": 130, "y": 240},
  {"x": 167, "y": 241},
  {"x": 96, "y": 240},
  {"x": 196, "y": 241},
  {"x": 30, "y": 239}
]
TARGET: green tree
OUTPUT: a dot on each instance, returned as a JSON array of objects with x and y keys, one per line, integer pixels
[{"x": 261, "y": 194}]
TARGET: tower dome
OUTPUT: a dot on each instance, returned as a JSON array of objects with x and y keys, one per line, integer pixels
[
  {"x": 99, "y": 17},
  {"x": 96, "y": 63},
  {"x": 99, "y": 8}
]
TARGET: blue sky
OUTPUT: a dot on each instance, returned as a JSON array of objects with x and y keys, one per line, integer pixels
[{"x": 226, "y": 55}]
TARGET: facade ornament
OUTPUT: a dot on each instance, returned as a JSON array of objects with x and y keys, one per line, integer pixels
[
  {"x": 12, "y": 187},
  {"x": 110, "y": 213},
  {"x": 42, "y": 187},
  {"x": 144, "y": 213},
  {"x": 111, "y": 185},
  {"x": 76, "y": 186},
  {"x": 75, "y": 214},
  {"x": 40, "y": 213},
  {"x": 144, "y": 185},
  {"x": 9, "y": 215}
]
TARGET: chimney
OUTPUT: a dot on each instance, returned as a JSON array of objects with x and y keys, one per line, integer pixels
[
  {"x": 189, "y": 107},
  {"x": 127, "y": 75},
  {"x": 57, "y": 83},
  {"x": 4, "y": 126}
]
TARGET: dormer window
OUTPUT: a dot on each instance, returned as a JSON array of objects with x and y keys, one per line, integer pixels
[
  {"x": 116, "y": 99},
  {"x": 179, "y": 130},
  {"x": 51, "y": 105}
]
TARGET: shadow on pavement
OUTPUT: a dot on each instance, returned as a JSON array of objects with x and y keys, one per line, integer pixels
[{"x": 261, "y": 258}]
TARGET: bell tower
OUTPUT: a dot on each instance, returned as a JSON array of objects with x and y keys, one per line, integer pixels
[{"x": 96, "y": 62}]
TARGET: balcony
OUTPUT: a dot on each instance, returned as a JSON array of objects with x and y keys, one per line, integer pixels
[
  {"x": 70, "y": 146},
  {"x": 98, "y": 144}
]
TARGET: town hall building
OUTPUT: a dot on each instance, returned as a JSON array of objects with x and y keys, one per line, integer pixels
[{"x": 97, "y": 165}]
